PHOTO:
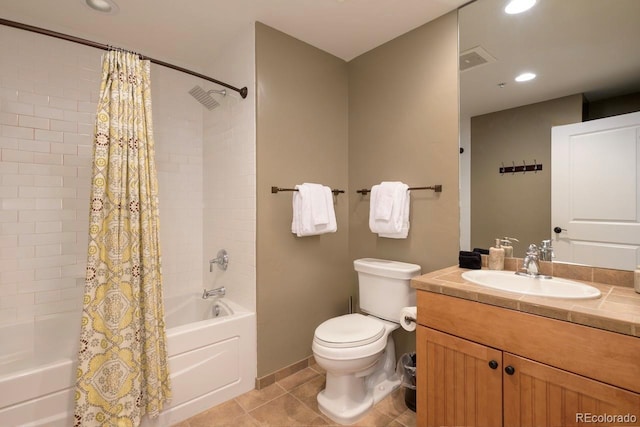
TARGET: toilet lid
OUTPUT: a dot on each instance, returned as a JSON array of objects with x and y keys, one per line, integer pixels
[{"x": 350, "y": 330}]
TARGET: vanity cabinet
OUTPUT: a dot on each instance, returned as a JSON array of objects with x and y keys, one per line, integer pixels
[{"x": 481, "y": 365}]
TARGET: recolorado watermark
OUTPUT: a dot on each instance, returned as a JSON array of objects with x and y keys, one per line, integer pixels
[{"x": 589, "y": 418}]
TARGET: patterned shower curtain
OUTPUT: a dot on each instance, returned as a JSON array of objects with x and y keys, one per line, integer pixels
[{"x": 122, "y": 360}]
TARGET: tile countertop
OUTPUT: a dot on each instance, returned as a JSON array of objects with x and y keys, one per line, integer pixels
[{"x": 617, "y": 310}]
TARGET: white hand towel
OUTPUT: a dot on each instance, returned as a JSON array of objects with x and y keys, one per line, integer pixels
[
  {"x": 383, "y": 201},
  {"x": 404, "y": 230},
  {"x": 379, "y": 196},
  {"x": 311, "y": 204}
]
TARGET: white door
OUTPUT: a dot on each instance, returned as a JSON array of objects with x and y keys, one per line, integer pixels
[{"x": 595, "y": 203}]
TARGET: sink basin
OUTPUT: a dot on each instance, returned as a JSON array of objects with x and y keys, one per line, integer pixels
[{"x": 551, "y": 288}]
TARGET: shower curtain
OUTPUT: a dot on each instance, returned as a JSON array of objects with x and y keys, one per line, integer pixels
[{"x": 122, "y": 360}]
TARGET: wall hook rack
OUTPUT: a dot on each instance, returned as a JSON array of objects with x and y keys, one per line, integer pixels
[
  {"x": 275, "y": 190},
  {"x": 524, "y": 168}
]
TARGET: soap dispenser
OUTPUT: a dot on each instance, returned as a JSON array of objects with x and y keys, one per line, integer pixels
[
  {"x": 507, "y": 245},
  {"x": 496, "y": 256}
]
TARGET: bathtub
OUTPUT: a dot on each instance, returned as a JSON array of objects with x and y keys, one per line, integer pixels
[{"x": 212, "y": 358}]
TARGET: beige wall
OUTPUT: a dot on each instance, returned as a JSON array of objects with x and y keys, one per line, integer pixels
[
  {"x": 403, "y": 126},
  {"x": 390, "y": 114},
  {"x": 302, "y": 136},
  {"x": 516, "y": 205}
]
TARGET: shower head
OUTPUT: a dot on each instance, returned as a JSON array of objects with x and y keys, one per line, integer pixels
[{"x": 205, "y": 98}]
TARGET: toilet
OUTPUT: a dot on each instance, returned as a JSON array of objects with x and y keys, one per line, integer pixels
[{"x": 357, "y": 350}]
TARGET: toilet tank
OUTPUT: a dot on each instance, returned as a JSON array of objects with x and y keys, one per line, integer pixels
[{"x": 385, "y": 286}]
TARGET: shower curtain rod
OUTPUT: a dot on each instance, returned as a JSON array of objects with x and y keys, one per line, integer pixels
[{"x": 243, "y": 91}]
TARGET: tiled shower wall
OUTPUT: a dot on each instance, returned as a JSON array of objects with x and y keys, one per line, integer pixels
[
  {"x": 48, "y": 95},
  {"x": 229, "y": 190}
]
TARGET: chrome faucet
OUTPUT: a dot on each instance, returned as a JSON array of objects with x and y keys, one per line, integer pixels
[
  {"x": 546, "y": 251},
  {"x": 530, "y": 264},
  {"x": 217, "y": 292}
]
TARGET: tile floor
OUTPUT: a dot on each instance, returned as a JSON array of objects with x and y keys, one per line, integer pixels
[{"x": 291, "y": 402}]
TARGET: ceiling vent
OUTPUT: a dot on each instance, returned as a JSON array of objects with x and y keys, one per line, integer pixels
[{"x": 474, "y": 57}]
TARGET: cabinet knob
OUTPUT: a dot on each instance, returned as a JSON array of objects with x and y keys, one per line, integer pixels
[
  {"x": 510, "y": 370},
  {"x": 493, "y": 364}
]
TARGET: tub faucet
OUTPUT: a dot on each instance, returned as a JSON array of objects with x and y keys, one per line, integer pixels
[{"x": 217, "y": 292}]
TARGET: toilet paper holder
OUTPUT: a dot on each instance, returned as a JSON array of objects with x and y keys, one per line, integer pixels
[{"x": 409, "y": 319}]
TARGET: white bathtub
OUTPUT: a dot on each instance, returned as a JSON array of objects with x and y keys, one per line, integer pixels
[{"x": 211, "y": 360}]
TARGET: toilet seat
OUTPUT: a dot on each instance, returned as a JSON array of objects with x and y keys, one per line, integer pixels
[{"x": 350, "y": 330}]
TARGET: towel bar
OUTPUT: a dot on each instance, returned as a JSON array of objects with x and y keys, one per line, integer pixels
[
  {"x": 437, "y": 188},
  {"x": 274, "y": 190}
]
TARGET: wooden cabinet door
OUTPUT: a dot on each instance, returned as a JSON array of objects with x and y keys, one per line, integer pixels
[
  {"x": 540, "y": 395},
  {"x": 456, "y": 386}
]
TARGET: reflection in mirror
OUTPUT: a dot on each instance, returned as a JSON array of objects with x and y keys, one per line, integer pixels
[{"x": 584, "y": 55}]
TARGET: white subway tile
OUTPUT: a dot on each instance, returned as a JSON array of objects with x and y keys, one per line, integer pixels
[
  {"x": 47, "y": 296},
  {"x": 74, "y": 160},
  {"x": 44, "y": 88},
  {"x": 8, "y": 216},
  {"x": 75, "y": 270},
  {"x": 48, "y": 250},
  {"x": 34, "y": 145},
  {"x": 47, "y": 159},
  {"x": 74, "y": 116},
  {"x": 18, "y": 204},
  {"x": 16, "y": 156},
  {"x": 77, "y": 95},
  {"x": 16, "y": 107},
  {"x": 44, "y": 262},
  {"x": 17, "y": 300},
  {"x": 8, "y": 316},
  {"x": 62, "y": 148},
  {"x": 47, "y": 285},
  {"x": 85, "y": 151},
  {"x": 18, "y": 227},
  {"x": 10, "y": 119},
  {"x": 33, "y": 122},
  {"x": 16, "y": 276},
  {"x": 46, "y": 181},
  {"x": 57, "y": 307},
  {"x": 87, "y": 129},
  {"x": 87, "y": 107},
  {"x": 64, "y": 126},
  {"x": 6, "y": 142},
  {"x": 17, "y": 132},
  {"x": 48, "y": 273},
  {"x": 8, "y": 192},
  {"x": 48, "y": 112},
  {"x": 32, "y": 98},
  {"x": 78, "y": 139},
  {"x": 49, "y": 135},
  {"x": 8, "y": 93},
  {"x": 75, "y": 293},
  {"x": 10, "y": 289},
  {"x": 43, "y": 204},
  {"x": 32, "y": 169},
  {"x": 64, "y": 170},
  {"x": 63, "y": 103},
  {"x": 8, "y": 264},
  {"x": 54, "y": 215}
]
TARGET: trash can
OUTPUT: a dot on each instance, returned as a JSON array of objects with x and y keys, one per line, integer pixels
[{"x": 407, "y": 371}]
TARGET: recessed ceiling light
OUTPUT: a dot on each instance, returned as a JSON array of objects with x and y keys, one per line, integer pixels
[
  {"x": 519, "y": 6},
  {"x": 525, "y": 77},
  {"x": 104, "y": 6}
]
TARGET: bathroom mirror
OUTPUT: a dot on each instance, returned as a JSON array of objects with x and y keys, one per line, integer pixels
[{"x": 584, "y": 55}]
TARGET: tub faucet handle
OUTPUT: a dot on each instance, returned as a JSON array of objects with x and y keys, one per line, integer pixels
[{"x": 222, "y": 259}]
